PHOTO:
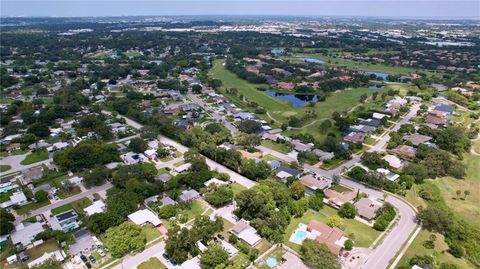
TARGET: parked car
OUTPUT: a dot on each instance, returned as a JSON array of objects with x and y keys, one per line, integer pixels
[
  {"x": 88, "y": 265},
  {"x": 101, "y": 253},
  {"x": 92, "y": 259},
  {"x": 84, "y": 259},
  {"x": 106, "y": 249}
]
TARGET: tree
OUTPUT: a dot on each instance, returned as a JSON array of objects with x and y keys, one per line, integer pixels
[
  {"x": 196, "y": 88},
  {"x": 456, "y": 250},
  {"x": 138, "y": 145},
  {"x": 336, "y": 179},
  {"x": 125, "y": 238},
  {"x": 435, "y": 219},
  {"x": 219, "y": 195},
  {"x": 255, "y": 170},
  {"x": 318, "y": 256},
  {"x": 100, "y": 222},
  {"x": 167, "y": 211},
  {"x": 214, "y": 255},
  {"x": 348, "y": 211},
  {"x": 249, "y": 126},
  {"x": 348, "y": 244},
  {"x": 458, "y": 192},
  {"x": 466, "y": 193},
  {"x": 41, "y": 196},
  {"x": 297, "y": 189},
  {"x": 97, "y": 176},
  {"x": 6, "y": 219},
  {"x": 123, "y": 202},
  {"x": 335, "y": 221},
  {"x": 325, "y": 126},
  {"x": 39, "y": 130}
]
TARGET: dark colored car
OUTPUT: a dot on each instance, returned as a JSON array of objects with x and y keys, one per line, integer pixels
[
  {"x": 84, "y": 259},
  {"x": 88, "y": 265},
  {"x": 92, "y": 259}
]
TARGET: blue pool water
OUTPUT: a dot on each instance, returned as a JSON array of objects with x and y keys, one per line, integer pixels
[
  {"x": 271, "y": 262},
  {"x": 5, "y": 189},
  {"x": 297, "y": 100},
  {"x": 300, "y": 236},
  {"x": 312, "y": 60},
  {"x": 378, "y": 74}
]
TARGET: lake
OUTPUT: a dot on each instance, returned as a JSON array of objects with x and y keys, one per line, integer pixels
[
  {"x": 312, "y": 60},
  {"x": 381, "y": 75},
  {"x": 297, "y": 100}
]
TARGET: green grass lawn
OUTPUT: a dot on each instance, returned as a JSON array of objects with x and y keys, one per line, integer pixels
[
  {"x": 133, "y": 54},
  {"x": 97, "y": 196},
  {"x": 339, "y": 188},
  {"x": 152, "y": 263},
  {"x": 467, "y": 208},
  {"x": 369, "y": 141},
  {"x": 439, "y": 252},
  {"x": 237, "y": 188},
  {"x": 166, "y": 159},
  {"x": 19, "y": 151},
  {"x": 226, "y": 226},
  {"x": 5, "y": 100},
  {"x": 276, "y": 146},
  {"x": 277, "y": 253},
  {"x": 357, "y": 65},
  {"x": 48, "y": 246},
  {"x": 78, "y": 205},
  {"x": 263, "y": 246},
  {"x": 179, "y": 163},
  {"x": 240, "y": 260},
  {"x": 151, "y": 233},
  {"x": 5, "y": 196},
  {"x": 195, "y": 210},
  {"x": 5, "y": 168},
  {"x": 29, "y": 207},
  {"x": 35, "y": 157}
]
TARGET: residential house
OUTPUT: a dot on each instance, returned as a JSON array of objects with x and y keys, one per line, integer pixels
[
  {"x": 313, "y": 183},
  {"x": 65, "y": 221},
  {"x": 31, "y": 175},
  {"x": 366, "y": 129},
  {"x": 144, "y": 216},
  {"x": 332, "y": 237},
  {"x": 182, "y": 168},
  {"x": 184, "y": 124},
  {"x": 388, "y": 174},
  {"x": 367, "y": 209},
  {"x": 371, "y": 122},
  {"x": 24, "y": 234},
  {"x": 133, "y": 158},
  {"x": 436, "y": 118},
  {"x": 274, "y": 164},
  {"x": 447, "y": 109},
  {"x": 301, "y": 147},
  {"x": 17, "y": 198},
  {"x": 57, "y": 255},
  {"x": 97, "y": 207},
  {"x": 150, "y": 154},
  {"x": 189, "y": 195},
  {"x": 13, "y": 146},
  {"x": 323, "y": 155},
  {"x": 245, "y": 232},
  {"x": 354, "y": 137},
  {"x": 417, "y": 139},
  {"x": 163, "y": 177},
  {"x": 393, "y": 161},
  {"x": 215, "y": 182},
  {"x": 284, "y": 172},
  {"x": 337, "y": 199}
]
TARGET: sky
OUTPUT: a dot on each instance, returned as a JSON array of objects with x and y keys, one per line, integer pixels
[{"x": 377, "y": 8}]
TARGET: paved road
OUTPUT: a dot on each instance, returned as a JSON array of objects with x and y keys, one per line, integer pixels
[
  {"x": 152, "y": 251},
  {"x": 14, "y": 162},
  {"x": 65, "y": 201},
  {"x": 211, "y": 111}
]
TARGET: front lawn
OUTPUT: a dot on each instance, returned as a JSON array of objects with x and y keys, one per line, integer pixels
[
  {"x": 78, "y": 205},
  {"x": 31, "y": 206},
  {"x": 48, "y": 246},
  {"x": 280, "y": 147},
  {"x": 237, "y": 188},
  {"x": 340, "y": 188},
  {"x": 19, "y": 152},
  {"x": 151, "y": 233},
  {"x": 152, "y": 263},
  {"x": 35, "y": 157},
  {"x": 196, "y": 209}
]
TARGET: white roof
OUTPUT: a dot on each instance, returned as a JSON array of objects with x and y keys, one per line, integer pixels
[
  {"x": 283, "y": 174},
  {"x": 193, "y": 263},
  {"x": 25, "y": 234},
  {"x": 18, "y": 197},
  {"x": 182, "y": 167},
  {"x": 141, "y": 217},
  {"x": 250, "y": 236},
  {"x": 150, "y": 152},
  {"x": 215, "y": 181},
  {"x": 388, "y": 174},
  {"x": 232, "y": 251},
  {"x": 393, "y": 161},
  {"x": 96, "y": 207},
  {"x": 56, "y": 255}
]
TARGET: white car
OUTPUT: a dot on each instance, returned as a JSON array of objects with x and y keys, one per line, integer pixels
[{"x": 101, "y": 253}]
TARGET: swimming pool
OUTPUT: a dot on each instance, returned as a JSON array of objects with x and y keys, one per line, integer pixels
[
  {"x": 5, "y": 189},
  {"x": 300, "y": 236},
  {"x": 271, "y": 262}
]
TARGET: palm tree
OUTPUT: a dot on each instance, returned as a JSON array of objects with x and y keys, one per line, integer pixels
[{"x": 458, "y": 193}]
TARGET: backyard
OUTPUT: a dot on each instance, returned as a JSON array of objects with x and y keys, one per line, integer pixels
[{"x": 78, "y": 205}]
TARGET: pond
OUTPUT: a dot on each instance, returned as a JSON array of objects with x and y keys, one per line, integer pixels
[
  {"x": 312, "y": 60},
  {"x": 379, "y": 74},
  {"x": 297, "y": 100}
]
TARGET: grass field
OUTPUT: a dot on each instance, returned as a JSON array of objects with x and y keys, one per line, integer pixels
[
  {"x": 276, "y": 146},
  {"x": 78, "y": 205},
  {"x": 357, "y": 65},
  {"x": 29, "y": 207},
  {"x": 467, "y": 207},
  {"x": 281, "y": 110},
  {"x": 195, "y": 210},
  {"x": 19, "y": 152},
  {"x": 439, "y": 252},
  {"x": 5, "y": 168},
  {"x": 237, "y": 188},
  {"x": 152, "y": 263},
  {"x": 151, "y": 233},
  {"x": 48, "y": 246},
  {"x": 35, "y": 157},
  {"x": 133, "y": 54}
]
